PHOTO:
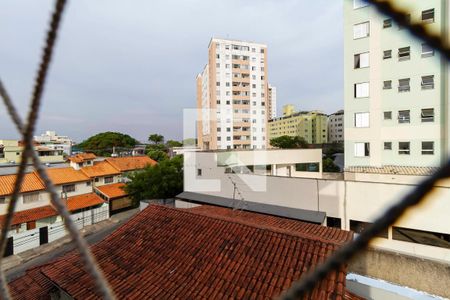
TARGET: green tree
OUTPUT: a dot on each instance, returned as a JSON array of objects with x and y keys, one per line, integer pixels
[
  {"x": 158, "y": 155},
  {"x": 329, "y": 166},
  {"x": 289, "y": 142},
  {"x": 161, "y": 181},
  {"x": 172, "y": 143},
  {"x": 102, "y": 144},
  {"x": 156, "y": 138}
]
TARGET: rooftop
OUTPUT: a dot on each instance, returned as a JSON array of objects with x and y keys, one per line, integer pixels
[
  {"x": 112, "y": 191},
  {"x": 394, "y": 170},
  {"x": 100, "y": 169},
  {"x": 81, "y": 157},
  {"x": 130, "y": 163},
  {"x": 31, "y": 215},
  {"x": 199, "y": 253},
  {"x": 31, "y": 183},
  {"x": 83, "y": 201},
  {"x": 66, "y": 175}
]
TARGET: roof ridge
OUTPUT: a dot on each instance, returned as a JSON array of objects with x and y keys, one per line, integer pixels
[{"x": 303, "y": 234}]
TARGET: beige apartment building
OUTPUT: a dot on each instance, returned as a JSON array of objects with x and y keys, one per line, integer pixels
[
  {"x": 310, "y": 125},
  {"x": 234, "y": 97},
  {"x": 11, "y": 152}
]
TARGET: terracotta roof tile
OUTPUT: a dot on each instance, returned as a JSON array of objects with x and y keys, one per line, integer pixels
[
  {"x": 101, "y": 169},
  {"x": 66, "y": 175},
  {"x": 83, "y": 201},
  {"x": 31, "y": 215},
  {"x": 131, "y": 163},
  {"x": 112, "y": 191},
  {"x": 30, "y": 183},
  {"x": 397, "y": 170},
  {"x": 81, "y": 157},
  {"x": 32, "y": 286},
  {"x": 173, "y": 253}
]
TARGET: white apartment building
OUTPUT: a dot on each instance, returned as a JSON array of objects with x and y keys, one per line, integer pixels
[
  {"x": 336, "y": 127},
  {"x": 233, "y": 95},
  {"x": 55, "y": 142},
  {"x": 272, "y": 102},
  {"x": 396, "y": 87}
]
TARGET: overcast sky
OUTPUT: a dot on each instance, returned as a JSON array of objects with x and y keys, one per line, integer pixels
[{"x": 130, "y": 66}]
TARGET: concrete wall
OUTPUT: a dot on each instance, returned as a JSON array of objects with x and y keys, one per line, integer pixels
[{"x": 424, "y": 275}]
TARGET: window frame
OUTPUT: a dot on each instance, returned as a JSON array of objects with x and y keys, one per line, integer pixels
[
  {"x": 389, "y": 144},
  {"x": 425, "y": 151},
  {"x": 428, "y": 20},
  {"x": 384, "y": 115},
  {"x": 355, "y": 90},
  {"x": 404, "y": 89},
  {"x": 427, "y": 85},
  {"x": 427, "y": 119},
  {"x": 404, "y": 120},
  {"x": 387, "y": 54},
  {"x": 404, "y": 151},
  {"x": 355, "y": 37}
]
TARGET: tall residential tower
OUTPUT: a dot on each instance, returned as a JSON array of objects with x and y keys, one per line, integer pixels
[
  {"x": 396, "y": 87},
  {"x": 234, "y": 97}
]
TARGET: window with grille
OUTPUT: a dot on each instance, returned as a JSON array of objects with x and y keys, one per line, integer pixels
[
  {"x": 387, "y": 23},
  {"x": 387, "y": 84},
  {"x": 428, "y": 16},
  {"x": 387, "y": 115},
  {"x": 387, "y": 54},
  {"x": 387, "y": 145},
  {"x": 404, "y": 148},
  {"x": 30, "y": 198},
  {"x": 109, "y": 179},
  {"x": 427, "y": 148},
  {"x": 404, "y": 53},
  {"x": 361, "y": 30},
  {"x": 361, "y": 90},
  {"x": 68, "y": 188},
  {"x": 427, "y": 115},
  {"x": 427, "y": 82},
  {"x": 403, "y": 85},
  {"x": 361, "y": 60},
  {"x": 427, "y": 51},
  {"x": 403, "y": 116}
]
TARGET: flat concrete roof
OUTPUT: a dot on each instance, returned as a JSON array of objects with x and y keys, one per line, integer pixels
[{"x": 310, "y": 216}]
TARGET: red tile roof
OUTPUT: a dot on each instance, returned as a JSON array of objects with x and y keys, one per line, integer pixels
[
  {"x": 31, "y": 215},
  {"x": 32, "y": 286},
  {"x": 30, "y": 183},
  {"x": 101, "y": 169},
  {"x": 83, "y": 201},
  {"x": 131, "y": 163},
  {"x": 66, "y": 175},
  {"x": 112, "y": 191},
  {"x": 81, "y": 157},
  {"x": 169, "y": 253}
]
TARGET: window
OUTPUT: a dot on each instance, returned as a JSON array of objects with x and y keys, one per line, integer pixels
[
  {"x": 428, "y": 16},
  {"x": 362, "y": 149},
  {"x": 403, "y": 116},
  {"x": 387, "y": 145},
  {"x": 361, "y": 60},
  {"x": 361, "y": 90},
  {"x": 307, "y": 167},
  {"x": 387, "y": 23},
  {"x": 334, "y": 222},
  {"x": 427, "y": 82},
  {"x": 403, "y": 148},
  {"x": 404, "y": 53},
  {"x": 427, "y": 115},
  {"x": 387, "y": 115},
  {"x": 68, "y": 188},
  {"x": 88, "y": 183},
  {"x": 387, "y": 54},
  {"x": 199, "y": 172},
  {"x": 403, "y": 85},
  {"x": 109, "y": 179},
  {"x": 359, "y": 227},
  {"x": 361, "y": 30},
  {"x": 427, "y": 51},
  {"x": 359, "y": 4},
  {"x": 427, "y": 148},
  {"x": 387, "y": 84},
  {"x": 29, "y": 198},
  {"x": 362, "y": 120},
  {"x": 97, "y": 179},
  {"x": 421, "y": 237},
  {"x": 2, "y": 200}
]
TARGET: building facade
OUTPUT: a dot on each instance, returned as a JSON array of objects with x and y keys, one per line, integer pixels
[
  {"x": 11, "y": 152},
  {"x": 311, "y": 125},
  {"x": 396, "y": 87},
  {"x": 336, "y": 127},
  {"x": 233, "y": 96},
  {"x": 56, "y": 142},
  {"x": 272, "y": 102}
]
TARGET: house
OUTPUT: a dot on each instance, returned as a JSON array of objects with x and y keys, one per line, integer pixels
[
  {"x": 102, "y": 173},
  {"x": 204, "y": 252},
  {"x": 81, "y": 160},
  {"x": 115, "y": 195}
]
